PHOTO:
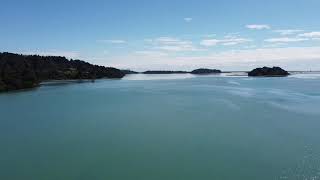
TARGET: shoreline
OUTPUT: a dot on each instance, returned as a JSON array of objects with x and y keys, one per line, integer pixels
[{"x": 221, "y": 75}]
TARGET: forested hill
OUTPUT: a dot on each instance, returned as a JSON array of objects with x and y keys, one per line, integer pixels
[{"x": 27, "y": 71}]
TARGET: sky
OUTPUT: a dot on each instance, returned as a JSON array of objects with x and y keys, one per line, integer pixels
[{"x": 167, "y": 34}]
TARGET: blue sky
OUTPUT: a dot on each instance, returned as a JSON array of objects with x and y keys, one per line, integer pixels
[{"x": 167, "y": 34}]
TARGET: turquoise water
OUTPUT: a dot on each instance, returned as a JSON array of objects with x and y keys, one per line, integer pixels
[{"x": 163, "y": 127}]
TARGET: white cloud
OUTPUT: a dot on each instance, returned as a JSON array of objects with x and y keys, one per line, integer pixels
[
  {"x": 172, "y": 44},
  {"x": 258, "y": 26},
  {"x": 209, "y": 42},
  {"x": 286, "y": 32},
  {"x": 151, "y": 53},
  {"x": 297, "y": 38},
  {"x": 269, "y": 54},
  {"x": 285, "y": 40},
  {"x": 188, "y": 19},
  {"x": 232, "y": 35},
  {"x": 180, "y": 48},
  {"x": 293, "y": 57},
  {"x": 310, "y": 35},
  {"x": 171, "y": 41},
  {"x": 229, "y": 41},
  {"x": 235, "y": 41},
  {"x": 274, "y": 45},
  {"x": 112, "y": 41},
  {"x": 209, "y": 35},
  {"x": 250, "y": 47}
]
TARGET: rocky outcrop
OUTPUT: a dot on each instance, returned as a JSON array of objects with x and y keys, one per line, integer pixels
[
  {"x": 205, "y": 71},
  {"x": 21, "y": 72},
  {"x": 267, "y": 71}
]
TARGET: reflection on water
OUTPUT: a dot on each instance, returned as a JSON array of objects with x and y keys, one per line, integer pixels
[
  {"x": 309, "y": 75},
  {"x": 179, "y": 76},
  {"x": 157, "y": 76}
]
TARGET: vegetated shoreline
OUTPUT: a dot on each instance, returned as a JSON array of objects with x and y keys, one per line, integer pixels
[
  {"x": 28, "y": 71},
  {"x": 19, "y": 71}
]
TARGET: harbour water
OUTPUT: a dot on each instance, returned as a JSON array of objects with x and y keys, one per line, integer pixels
[{"x": 163, "y": 127}]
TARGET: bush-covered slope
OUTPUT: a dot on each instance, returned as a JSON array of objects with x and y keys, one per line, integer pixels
[{"x": 21, "y": 71}]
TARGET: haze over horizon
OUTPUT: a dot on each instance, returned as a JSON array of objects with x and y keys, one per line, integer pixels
[{"x": 169, "y": 34}]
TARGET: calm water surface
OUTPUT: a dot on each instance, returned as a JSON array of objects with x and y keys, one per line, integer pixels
[{"x": 163, "y": 127}]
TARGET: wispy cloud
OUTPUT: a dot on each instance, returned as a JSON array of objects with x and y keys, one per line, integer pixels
[
  {"x": 268, "y": 54},
  {"x": 258, "y": 26},
  {"x": 171, "y": 41},
  {"x": 285, "y": 40},
  {"x": 151, "y": 53},
  {"x": 112, "y": 41},
  {"x": 285, "y": 32},
  {"x": 240, "y": 59},
  {"x": 188, "y": 19},
  {"x": 210, "y": 35},
  {"x": 209, "y": 42},
  {"x": 173, "y": 44},
  {"x": 297, "y": 37},
  {"x": 275, "y": 45},
  {"x": 315, "y": 34},
  {"x": 228, "y": 41}
]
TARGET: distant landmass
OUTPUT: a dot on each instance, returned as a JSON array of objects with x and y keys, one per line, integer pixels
[
  {"x": 206, "y": 71},
  {"x": 165, "y": 72},
  {"x": 128, "y": 71},
  {"x": 196, "y": 71},
  {"x": 27, "y": 71},
  {"x": 267, "y": 71}
]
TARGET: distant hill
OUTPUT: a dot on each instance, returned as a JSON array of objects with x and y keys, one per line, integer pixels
[
  {"x": 268, "y": 71},
  {"x": 196, "y": 71},
  {"x": 127, "y": 71},
  {"x": 27, "y": 71},
  {"x": 165, "y": 72},
  {"x": 205, "y": 71}
]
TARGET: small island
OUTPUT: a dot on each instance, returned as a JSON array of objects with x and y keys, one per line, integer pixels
[
  {"x": 28, "y": 71},
  {"x": 268, "y": 72},
  {"x": 203, "y": 71}
]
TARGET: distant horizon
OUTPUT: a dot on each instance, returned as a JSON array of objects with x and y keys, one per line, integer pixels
[
  {"x": 151, "y": 69},
  {"x": 168, "y": 34}
]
